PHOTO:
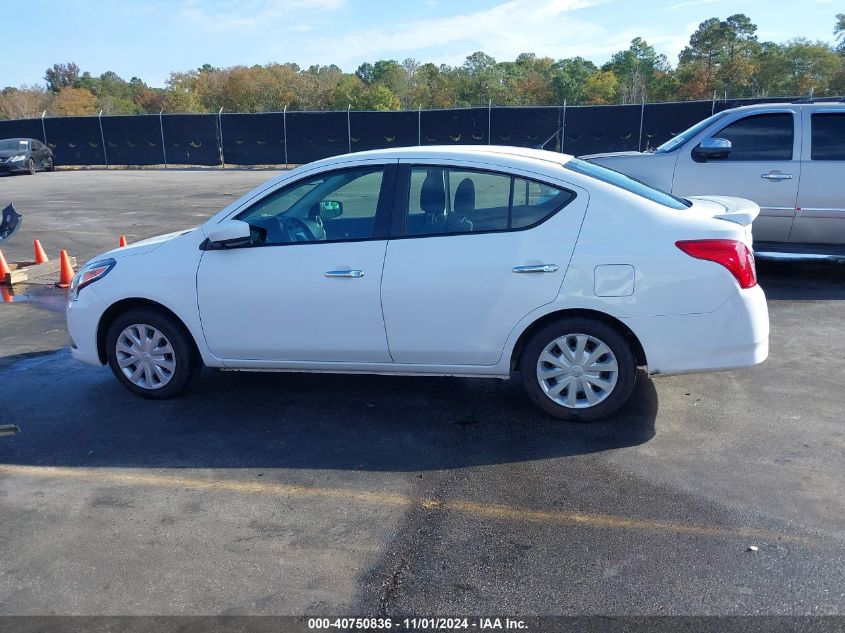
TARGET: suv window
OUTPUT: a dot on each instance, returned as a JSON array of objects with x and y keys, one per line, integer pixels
[
  {"x": 332, "y": 206},
  {"x": 828, "y": 136},
  {"x": 446, "y": 201},
  {"x": 760, "y": 137}
]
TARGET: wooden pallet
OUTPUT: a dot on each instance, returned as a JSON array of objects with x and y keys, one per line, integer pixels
[{"x": 23, "y": 271}]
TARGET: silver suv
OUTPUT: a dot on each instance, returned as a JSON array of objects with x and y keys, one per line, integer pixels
[{"x": 787, "y": 157}]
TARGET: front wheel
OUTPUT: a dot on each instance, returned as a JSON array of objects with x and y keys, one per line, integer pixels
[
  {"x": 151, "y": 354},
  {"x": 578, "y": 369},
  {"x": 31, "y": 167}
]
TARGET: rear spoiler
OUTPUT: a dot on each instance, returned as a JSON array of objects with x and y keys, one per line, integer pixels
[{"x": 738, "y": 210}]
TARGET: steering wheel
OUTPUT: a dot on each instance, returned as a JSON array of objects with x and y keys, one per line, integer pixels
[{"x": 296, "y": 229}]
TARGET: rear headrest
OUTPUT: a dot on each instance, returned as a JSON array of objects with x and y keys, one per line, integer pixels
[
  {"x": 432, "y": 194},
  {"x": 465, "y": 197}
]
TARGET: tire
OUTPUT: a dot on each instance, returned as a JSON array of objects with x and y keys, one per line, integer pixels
[
  {"x": 609, "y": 388},
  {"x": 51, "y": 166},
  {"x": 168, "y": 370},
  {"x": 31, "y": 167}
]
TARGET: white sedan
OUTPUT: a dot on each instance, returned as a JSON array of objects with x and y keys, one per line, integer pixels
[{"x": 458, "y": 261}]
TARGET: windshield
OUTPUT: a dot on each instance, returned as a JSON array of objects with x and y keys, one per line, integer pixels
[
  {"x": 12, "y": 145},
  {"x": 627, "y": 183},
  {"x": 676, "y": 141}
]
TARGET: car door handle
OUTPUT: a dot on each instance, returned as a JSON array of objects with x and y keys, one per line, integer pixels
[
  {"x": 351, "y": 274},
  {"x": 776, "y": 176},
  {"x": 538, "y": 268}
]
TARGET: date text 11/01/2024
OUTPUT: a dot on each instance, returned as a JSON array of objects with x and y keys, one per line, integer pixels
[{"x": 417, "y": 624}]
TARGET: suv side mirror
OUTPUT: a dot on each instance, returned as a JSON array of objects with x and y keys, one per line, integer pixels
[
  {"x": 229, "y": 234},
  {"x": 330, "y": 209},
  {"x": 711, "y": 148}
]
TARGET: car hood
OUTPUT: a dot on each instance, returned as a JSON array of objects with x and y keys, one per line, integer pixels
[
  {"x": 142, "y": 247},
  {"x": 6, "y": 153},
  {"x": 615, "y": 155}
]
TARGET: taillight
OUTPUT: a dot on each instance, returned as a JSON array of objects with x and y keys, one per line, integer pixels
[{"x": 733, "y": 255}]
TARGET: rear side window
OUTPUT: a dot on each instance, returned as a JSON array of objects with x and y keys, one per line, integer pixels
[
  {"x": 828, "y": 136},
  {"x": 446, "y": 201},
  {"x": 760, "y": 137}
]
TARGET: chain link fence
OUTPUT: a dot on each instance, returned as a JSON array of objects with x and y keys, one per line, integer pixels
[{"x": 285, "y": 138}]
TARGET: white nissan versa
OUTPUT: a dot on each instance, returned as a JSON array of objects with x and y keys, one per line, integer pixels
[{"x": 460, "y": 261}]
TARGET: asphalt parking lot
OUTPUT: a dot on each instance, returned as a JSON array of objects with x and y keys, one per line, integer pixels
[{"x": 291, "y": 494}]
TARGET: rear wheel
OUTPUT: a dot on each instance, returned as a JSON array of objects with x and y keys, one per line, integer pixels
[
  {"x": 578, "y": 369},
  {"x": 151, "y": 354}
]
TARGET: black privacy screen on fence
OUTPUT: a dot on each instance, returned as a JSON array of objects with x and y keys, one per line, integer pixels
[
  {"x": 454, "y": 127},
  {"x": 293, "y": 138},
  {"x": 376, "y": 130},
  {"x": 602, "y": 129},
  {"x": 253, "y": 139},
  {"x": 526, "y": 127},
  {"x": 191, "y": 139},
  {"x": 315, "y": 135},
  {"x": 76, "y": 139},
  {"x": 133, "y": 140}
]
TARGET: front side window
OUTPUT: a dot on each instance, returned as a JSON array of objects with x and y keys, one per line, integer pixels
[
  {"x": 334, "y": 206},
  {"x": 760, "y": 137},
  {"x": 447, "y": 201},
  {"x": 828, "y": 136}
]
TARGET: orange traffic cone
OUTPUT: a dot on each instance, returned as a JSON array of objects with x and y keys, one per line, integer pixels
[
  {"x": 4, "y": 268},
  {"x": 6, "y": 294},
  {"x": 122, "y": 242},
  {"x": 40, "y": 255},
  {"x": 66, "y": 273}
]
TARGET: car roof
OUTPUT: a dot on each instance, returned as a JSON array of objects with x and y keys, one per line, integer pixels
[
  {"x": 458, "y": 152},
  {"x": 17, "y": 139}
]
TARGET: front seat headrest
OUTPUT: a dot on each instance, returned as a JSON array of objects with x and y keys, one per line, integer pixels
[{"x": 432, "y": 194}]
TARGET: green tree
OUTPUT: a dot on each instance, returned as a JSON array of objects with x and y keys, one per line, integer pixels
[
  {"x": 61, "y": 76},
  {"x": 602, "y": 87},
  {"x": 569, "y": 80},
  {"x": 638, "y": 69}
]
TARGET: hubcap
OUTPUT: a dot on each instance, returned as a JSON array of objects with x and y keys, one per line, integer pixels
[
  {"x": 145, "y": 356},
  {"x": 577, "y": 371}
]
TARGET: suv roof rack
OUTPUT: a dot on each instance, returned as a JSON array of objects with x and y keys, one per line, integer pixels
[{"x": 820, "y": 100}]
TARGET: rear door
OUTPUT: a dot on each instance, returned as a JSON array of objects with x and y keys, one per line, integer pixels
[
  {"x": 764, "y": 165},
  {"x": 820, "y": 217},
  {"x": 477, "y": 251}
]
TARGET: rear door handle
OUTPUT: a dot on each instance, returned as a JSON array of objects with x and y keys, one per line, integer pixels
[
  {"x": 538, "y": 268},
  {"x": 351, "y": 274},
  {"x": 776, "y": 176}
]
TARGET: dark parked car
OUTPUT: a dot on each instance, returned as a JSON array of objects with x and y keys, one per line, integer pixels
[{"x": 24, "y": 155}]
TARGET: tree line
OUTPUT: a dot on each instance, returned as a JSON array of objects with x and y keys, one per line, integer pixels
[{"x": 723, "y": 58}]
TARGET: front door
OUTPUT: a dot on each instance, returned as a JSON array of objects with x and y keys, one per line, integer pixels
[
  {"x": 307, "y": 289},
  {"x": 479, "y": 250},
  {"x": 764, "y": 165}
]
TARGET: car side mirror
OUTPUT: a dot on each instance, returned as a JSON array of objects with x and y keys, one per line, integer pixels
[
  {"x": 229, "y": 234},
  {"x": 330, "y": 209},
  {"x": 713, "y": 148}
]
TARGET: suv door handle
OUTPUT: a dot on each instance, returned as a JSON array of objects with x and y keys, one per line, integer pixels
[
  {"x": 776, "y": 176},
  {"x": 538, "y": 268},
  {"x": 353, "y": 274}
]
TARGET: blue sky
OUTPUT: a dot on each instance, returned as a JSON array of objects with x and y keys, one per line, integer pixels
[{"x": 149, "y": 38}]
